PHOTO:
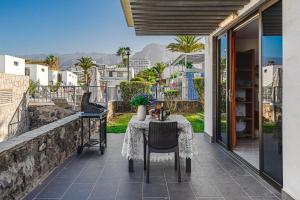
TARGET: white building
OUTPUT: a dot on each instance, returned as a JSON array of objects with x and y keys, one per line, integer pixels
[
  {"x": 78, "y": 71},
  {"x": 12, "y": 65},
  {"x": 68, "y": 78},
  {"x": 53, "y": 77},
  {"x": 114, "y": 75},
  {"x": 37, "y": 73},
  {"x": 139, "y": 64}
]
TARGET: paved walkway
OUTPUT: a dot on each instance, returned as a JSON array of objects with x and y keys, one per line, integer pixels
[{"x": 215, "y": 176}]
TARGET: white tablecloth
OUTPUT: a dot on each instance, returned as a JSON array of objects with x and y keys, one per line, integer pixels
[{"x": 133, "y": 140}]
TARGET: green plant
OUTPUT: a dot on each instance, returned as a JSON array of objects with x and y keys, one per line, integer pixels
[
  {"x": 186, "y": 44},
  {"x": 54, "y": 88},
  {"x": 171, "y": 96},
  {"x": 188, "y": 64},
  {"x": 199, "y": 87},
  {"x": 137, "y": 79},
  {"x": 53, "y": 62},
  {"x": 122, "y": 53},
  {"x": 32, "y": 87},
  {"x": 131, "y": 88},
  {"x": 142, "y": 100}
]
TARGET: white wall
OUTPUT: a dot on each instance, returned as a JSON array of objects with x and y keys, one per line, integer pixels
[
  {"x": 12, "y": 65},
  {"x": 52, "y": 76},
  {"x": 208, "y": 68},
  {"x": 69, "y": 78},
  {"x": 38, "y": 73},
  {"x": 291, "y": 98}
]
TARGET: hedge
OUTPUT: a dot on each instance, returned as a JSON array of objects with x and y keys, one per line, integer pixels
[{"x": 132, "y": 88}]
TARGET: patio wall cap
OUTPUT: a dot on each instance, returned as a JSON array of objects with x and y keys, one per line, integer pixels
[{"x": 30, "y": 135}]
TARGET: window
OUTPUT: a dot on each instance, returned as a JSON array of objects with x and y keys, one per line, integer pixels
[
  {"x": 110, "y": 74},
  {"x": 27, "y": 71},
  {"x": 16, "y": 63},
  {"x": 119, "y": 74},
  {"x": 43, "y": 70}
]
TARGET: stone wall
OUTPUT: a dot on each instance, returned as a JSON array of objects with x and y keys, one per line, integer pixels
[
  {"x": 27, "y": 159},
  {"x": 12, "y": 89},
  {"x": 182, "y": 107}
]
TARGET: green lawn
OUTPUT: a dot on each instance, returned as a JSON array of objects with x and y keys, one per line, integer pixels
[{"x": 119, "y": 123}]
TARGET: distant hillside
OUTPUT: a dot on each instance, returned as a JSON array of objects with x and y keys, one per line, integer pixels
[{"x": 154, "y": 52}]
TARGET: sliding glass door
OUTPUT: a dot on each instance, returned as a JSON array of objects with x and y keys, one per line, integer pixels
[
  {"x": 271, "y": 107},
  {"x": 222, "y": 86}
]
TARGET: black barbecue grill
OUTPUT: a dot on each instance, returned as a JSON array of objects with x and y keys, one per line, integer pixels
[{"x": 92, "y": 111}]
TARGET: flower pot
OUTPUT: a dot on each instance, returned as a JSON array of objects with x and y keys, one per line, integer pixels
[{"x": 141, "y": 113}]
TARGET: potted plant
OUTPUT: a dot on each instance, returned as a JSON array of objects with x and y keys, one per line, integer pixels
[{"x": 141, "y": 101}]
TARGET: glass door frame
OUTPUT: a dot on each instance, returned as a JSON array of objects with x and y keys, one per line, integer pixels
[
  {"x": 261, "y": 144},
  {"x": 229, "y": 31},
  {"x": 228, "y": 85}
]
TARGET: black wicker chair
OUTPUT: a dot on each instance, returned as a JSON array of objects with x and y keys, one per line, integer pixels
[{"x": 163, "y": 138}]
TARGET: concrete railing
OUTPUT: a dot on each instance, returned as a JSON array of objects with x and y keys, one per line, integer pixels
[{"x": 27, "y": 159}]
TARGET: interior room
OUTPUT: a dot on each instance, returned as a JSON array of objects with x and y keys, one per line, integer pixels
[{"x": 245, "y": 81}]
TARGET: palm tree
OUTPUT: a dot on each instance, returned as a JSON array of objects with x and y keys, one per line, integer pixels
[
  {"x": 52, "y": 61},
  {"x": 186, "y": 44},
  {"x": 122, "y": 53},
  {"x": 85, "y": 63},
  {"x": 158, "y": 69}
]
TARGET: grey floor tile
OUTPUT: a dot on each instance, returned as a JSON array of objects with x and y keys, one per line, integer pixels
[
  {"x": 56, "y": 188},
  {"x": 89, "y": 175},
  {"x": 204, "y": 187},
  {"x": 180, "y": 191},
  {"x": 156, "y": 188},
  {"x": 252, "y": 187},
  {"x": 130, "y": 191},
  {"x": 78, "y": 191},
  {"x": 105, "y": 189}
]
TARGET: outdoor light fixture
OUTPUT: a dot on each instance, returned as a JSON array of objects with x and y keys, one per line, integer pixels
[{"x": 127, "y": 51}]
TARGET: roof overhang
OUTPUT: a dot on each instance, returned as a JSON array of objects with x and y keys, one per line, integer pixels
[{"x": 178, "y": 17}]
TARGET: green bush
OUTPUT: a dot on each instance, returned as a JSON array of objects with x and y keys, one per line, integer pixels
[
  {"x": 137, "y": 79},
  {"x": 54, "y": 88},
  {"x": 199, "y": 87},
  {"x": 171, "y": 94},
  {"x": 32, "y": 87},
  {"x": 132, "y": 88}
]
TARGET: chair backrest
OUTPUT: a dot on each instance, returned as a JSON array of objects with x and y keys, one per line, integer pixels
[
  {"x": 163, "y": 135},
  {"x": 85, "y": 99}
]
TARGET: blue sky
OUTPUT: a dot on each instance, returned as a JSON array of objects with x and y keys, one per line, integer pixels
[{"x": 66, "y": 26}]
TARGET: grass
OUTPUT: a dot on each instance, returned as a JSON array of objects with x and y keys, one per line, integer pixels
[
  {"x": 119, "y": 123},
  {"x": 197, "y": 121}
]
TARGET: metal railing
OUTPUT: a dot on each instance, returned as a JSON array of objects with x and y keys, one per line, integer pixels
[
  {"x": 19, "y": 122},
  {"x": 184, "y": 93},
  {"x": 69, "y": 94}
]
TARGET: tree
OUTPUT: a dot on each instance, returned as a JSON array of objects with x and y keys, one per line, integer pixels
[
  {"x": 122, "y": 53},
  {"x": 158, "y": 69},
  {"x": 85, "y": 63},
  {"x": 52, "y": 62},
  {"x": 199, "y": 87},
  {"x": 186, "y": 44}
]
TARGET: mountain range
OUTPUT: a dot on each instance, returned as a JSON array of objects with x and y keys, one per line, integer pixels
[{"x": 154, "y": 52}]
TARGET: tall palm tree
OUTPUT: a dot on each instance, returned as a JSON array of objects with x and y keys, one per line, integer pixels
[
  {"x": 186, "y": 44},
  {"x": 122, "y": 53},
  {"x": 85, "y": 63},
  {"x": 53, "y": 62}
]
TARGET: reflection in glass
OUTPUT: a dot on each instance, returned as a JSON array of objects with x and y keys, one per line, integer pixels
[
  {"x": 272, "y": 91},
  {"x": 222, "y": 88}
]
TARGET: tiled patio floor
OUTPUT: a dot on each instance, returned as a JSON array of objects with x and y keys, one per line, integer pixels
[{"x": 215, "y": 176}]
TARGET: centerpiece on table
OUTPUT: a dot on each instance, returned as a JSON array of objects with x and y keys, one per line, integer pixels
[{"x": 141, "y": 101}]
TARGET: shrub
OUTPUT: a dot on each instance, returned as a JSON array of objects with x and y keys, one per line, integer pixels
[
  {"x": 32, "y": 87},
  {"x": 171, "y": 96},
  {"x": 142, "y": 99},
  {"x": 54, "y": 88},
  {"x": 137, "y": 79},
  {"x": 199, "y": 87},
  {"x": 130, "y": 89}
]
